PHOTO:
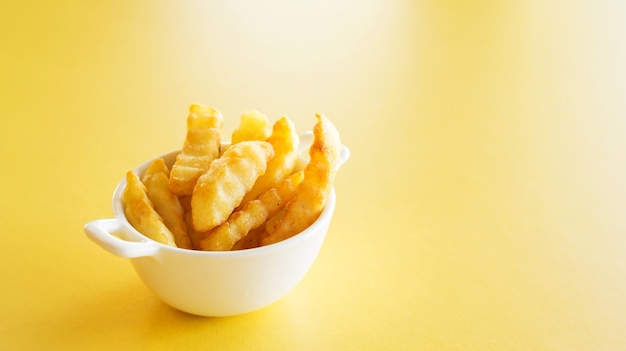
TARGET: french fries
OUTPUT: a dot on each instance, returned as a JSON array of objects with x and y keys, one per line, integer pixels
[
  {"x": 202, "y": 145},
  {"x": 141, "y": 214},
  {"x": 166, "y": 204},
  {"x": 312, "y": 193},
  {"x": 220, "y": 190},
  {"x": 251, "y": 216},
  {"x": 194, "y": 235},
  {"x": 251, "y": 193},
  {"x": 285, "y": 141},
  {"x": 253, "y": 126},
  {"x": 250, "y": 240}
]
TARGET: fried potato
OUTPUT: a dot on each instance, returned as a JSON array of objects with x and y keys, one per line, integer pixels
[
  {"x": 220, "y": 190},
  {"x": 285, "y": 141},
  {"x": 185, "y": 202},
  {"x": 141, "y": 213},
  {"x": 312, "y": 193},
  {"x": 194, "y": 235},
  {"x": 253, "y": 126},
  {"x": 166, "y": 204},
  {"x": 201, "y": 146},
  {"x": 270, "y": 225},
  {"x": 252, "y": 215},
  {"x": 250, "y": 240}
]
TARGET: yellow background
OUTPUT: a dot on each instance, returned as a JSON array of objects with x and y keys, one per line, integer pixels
[{"x": 483, "y": 207}]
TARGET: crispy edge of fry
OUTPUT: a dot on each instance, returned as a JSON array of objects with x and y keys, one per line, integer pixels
[
  {"x": 166, "y": 204},
  {"x": 200, "y": 148},
  {"x": 312, "y": 193},
  {"x": 222, "y": 187},
  {"x": 141, "y": 214},
  {"x": 251, "y": 216},
  {"x": 285, "y": 141},
  {"x": 253, "y": 125}
]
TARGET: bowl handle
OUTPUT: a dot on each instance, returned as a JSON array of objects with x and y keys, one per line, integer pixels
[{"x": 102, "y": 231}]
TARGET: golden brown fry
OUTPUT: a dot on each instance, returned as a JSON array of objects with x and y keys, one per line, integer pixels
[
  {"x": 312, "y": 193},
  {"x": 140, "y": 212},
  {"x": 252, "y": 215},
  {"x": 202, "y": 145},
  {"x": 194, "y": 235},
  {"x": 166, "y": 204},
  {"x": 251, "y": 240},
  {"x": 185, "y": 202},
  {"x": 220, "y": 190},
  {"x": 285, "y": 141},
  {"x": 253, "y": 126},
  {"x": 270, "y": 225}
]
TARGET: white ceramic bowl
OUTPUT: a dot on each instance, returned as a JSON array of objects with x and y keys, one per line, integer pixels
[{"x": 214, "y": 283}]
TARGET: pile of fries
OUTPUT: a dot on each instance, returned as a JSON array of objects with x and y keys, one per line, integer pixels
[{"x": 252, "y": 193}]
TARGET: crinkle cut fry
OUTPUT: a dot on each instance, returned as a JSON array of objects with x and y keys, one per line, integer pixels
[
  {"x": 285, "y": 141},
  {"x": 252, "y": 215},
  {"x": 166, "y": 204},
  {"x": 312, "y": 193},
  {"x": 222, "y": 187},
  {"x": 140, "y": 212},
  {"x": 201, "y": 147},
  {"x": 253, "y": 125}
]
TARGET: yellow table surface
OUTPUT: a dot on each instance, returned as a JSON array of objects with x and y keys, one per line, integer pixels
[{"x": 483, "y": 207}]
